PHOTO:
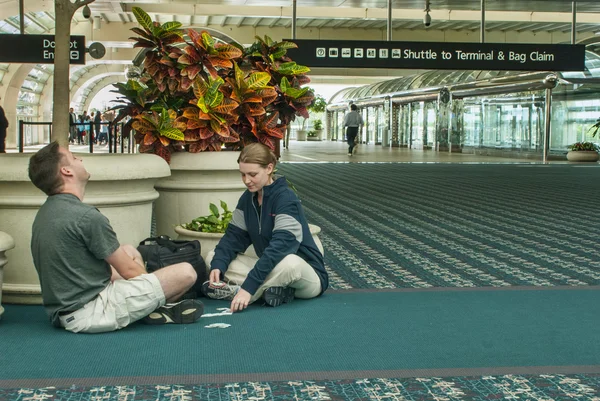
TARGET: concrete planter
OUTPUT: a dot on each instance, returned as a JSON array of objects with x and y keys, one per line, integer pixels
[
  {"x": 301, "y": 135},
  {"x": 197, "y": 179},
  {"x": 121, "y": 187},
  {"x": 6, "y": 243},
  {"x": 208, "y": 241},
  {"x": 582, "y": 156}
]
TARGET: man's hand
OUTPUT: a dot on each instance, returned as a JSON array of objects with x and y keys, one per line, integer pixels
[{"x": 115, "y": 275}]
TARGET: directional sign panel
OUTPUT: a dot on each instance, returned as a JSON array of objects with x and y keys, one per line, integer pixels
[
  {"x": 38, "y": 49},
  {"x": 438, "y": 56}
]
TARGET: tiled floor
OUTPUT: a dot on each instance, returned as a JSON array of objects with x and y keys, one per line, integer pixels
[
  {"x": 338, "y": 152},
  {"x": 327, "y": 151}
]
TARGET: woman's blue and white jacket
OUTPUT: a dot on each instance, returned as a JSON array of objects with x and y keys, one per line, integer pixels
[{"x": 276, "y": 229}]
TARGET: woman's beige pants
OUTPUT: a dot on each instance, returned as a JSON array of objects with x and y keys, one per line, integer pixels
[{"x": 292, "y": 271}]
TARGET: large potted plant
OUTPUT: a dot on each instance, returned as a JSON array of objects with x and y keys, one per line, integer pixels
[
  {"x": 582, "y": 152},
  {"x": 318, "y": 105},
  {"x": 196, "y": 96},
  {"x": 318, "y": 127}
]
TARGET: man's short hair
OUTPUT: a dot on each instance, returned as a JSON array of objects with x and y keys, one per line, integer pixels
[
  {"x": 353, "y": 107},
  {"x": 44, "y": 169}
]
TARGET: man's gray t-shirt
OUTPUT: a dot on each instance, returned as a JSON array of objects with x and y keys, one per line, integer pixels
[{"x": 69, "y": 243}]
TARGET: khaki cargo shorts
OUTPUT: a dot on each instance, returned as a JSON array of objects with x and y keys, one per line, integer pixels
[{"x": 121, "y": 303}]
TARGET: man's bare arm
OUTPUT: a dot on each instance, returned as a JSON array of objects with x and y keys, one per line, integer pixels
[{"x": 127, "y": 266}]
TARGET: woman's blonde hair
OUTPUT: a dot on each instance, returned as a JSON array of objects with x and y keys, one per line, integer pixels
[{"x": 258, "y": 153}]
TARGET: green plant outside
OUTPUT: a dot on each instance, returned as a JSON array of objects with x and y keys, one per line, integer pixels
[
  {"x": 595, "y": 127},
  {"x": 318, "y": 124},
  {"x": 583, "y": 146}
]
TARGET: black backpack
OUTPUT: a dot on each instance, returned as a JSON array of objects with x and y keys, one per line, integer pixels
[{"x": 162, "y": 251}]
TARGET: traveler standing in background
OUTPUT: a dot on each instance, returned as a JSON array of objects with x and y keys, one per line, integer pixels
[
  {"x": 353, "y": 121},
  {"x": 97, "y": 121},
  {"x": 72, "y": 126},
  {"x": 3, "y": 127}
]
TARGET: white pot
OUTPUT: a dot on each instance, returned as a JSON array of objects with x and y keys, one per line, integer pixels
[
  {"x": 582, "y": 156},
  {"x": 197, "y": 179},
  {"x": 6, "y": 243},
  {"x": 121, "y": 187},
  {"x": 208, "y": 241},
  {"x": 301, "y": 135}
]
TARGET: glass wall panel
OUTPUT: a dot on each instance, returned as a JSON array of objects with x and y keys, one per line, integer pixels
[
  {"x": 571, "y": 121},
  {"x": 472, "y": 123}
]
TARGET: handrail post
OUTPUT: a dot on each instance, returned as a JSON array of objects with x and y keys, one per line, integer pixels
[
  {"x": 109, "y": 138},
  {"x": 91, "y": 137},
  {"x": 21, "y": 128},
  {"x": 574, "y": 23},
  {"x": 547, "y": 125},
  {"x": 122, "y": 140}
]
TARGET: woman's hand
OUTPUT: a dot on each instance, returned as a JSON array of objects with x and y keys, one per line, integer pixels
[
  {"x": 214, "y": 276},
  {"x": 240, "y": 301}
]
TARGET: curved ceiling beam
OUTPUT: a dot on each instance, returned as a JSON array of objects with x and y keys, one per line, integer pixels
[
  {"x": 86, "y": 83},
  {"x": 98, "y": 86}
]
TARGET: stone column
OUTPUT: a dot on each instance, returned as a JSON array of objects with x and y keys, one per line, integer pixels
[
  {"x": 121, "y": 187},
  {"x": 6, "y": 243}
]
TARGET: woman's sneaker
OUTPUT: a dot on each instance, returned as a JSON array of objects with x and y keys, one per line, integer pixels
[
  {"x": 275, "y": 296},
  {"x": 220, "y": 290},
  {"x": 182, "y": 312}
]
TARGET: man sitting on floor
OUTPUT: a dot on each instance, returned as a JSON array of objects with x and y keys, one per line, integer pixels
[{"x": 90, "y": 283}]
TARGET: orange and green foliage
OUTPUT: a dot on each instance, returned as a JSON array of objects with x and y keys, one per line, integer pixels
[{"x": 197, "y": 94}]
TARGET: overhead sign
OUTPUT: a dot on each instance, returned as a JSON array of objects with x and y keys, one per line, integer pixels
[
  {"x": 38, "y": 49},
  {"x": 438, "y": 55}
]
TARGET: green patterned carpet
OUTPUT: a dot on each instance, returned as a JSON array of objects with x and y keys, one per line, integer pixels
[
  {"x": 454, "y": 225},
  {"x": 387, "y": 226},
  {"x": 507, "y": 387}
]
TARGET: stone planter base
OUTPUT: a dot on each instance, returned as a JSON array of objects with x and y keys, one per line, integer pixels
[
  {"x": 121, "y": 187},
  {"x": 582, "y": 156},
  {"x": 6, "y": 243},
  {"x": 197, "y": 179},
  {"x": 301, "y": 135}
]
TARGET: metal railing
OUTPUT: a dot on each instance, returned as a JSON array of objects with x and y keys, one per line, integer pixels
[{"x": 116, "y": 143}]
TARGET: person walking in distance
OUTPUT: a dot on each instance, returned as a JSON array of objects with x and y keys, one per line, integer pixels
[
  {"x": 353, "y": 121},
  {"x": 3, "y": 127}
]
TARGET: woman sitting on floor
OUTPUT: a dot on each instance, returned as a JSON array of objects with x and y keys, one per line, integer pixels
[{"x": 268, "y": 216}]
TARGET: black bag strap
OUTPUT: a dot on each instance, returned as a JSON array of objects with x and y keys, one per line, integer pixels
[{"x": 163, "y": 240}]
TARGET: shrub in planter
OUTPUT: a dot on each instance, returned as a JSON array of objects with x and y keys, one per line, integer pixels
[
  {"x": 582, "y": 152},
  {"x": 583, "y": 146},
  {"x": 196, "y": 94},
  {"x": 215, "y": 222}
]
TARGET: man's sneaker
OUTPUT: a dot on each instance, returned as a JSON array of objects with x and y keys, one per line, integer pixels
[
  {"x": 182, "y": 312},
  {"x": 275, "y": 296},
  {"x": 219, "y": 290}
]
